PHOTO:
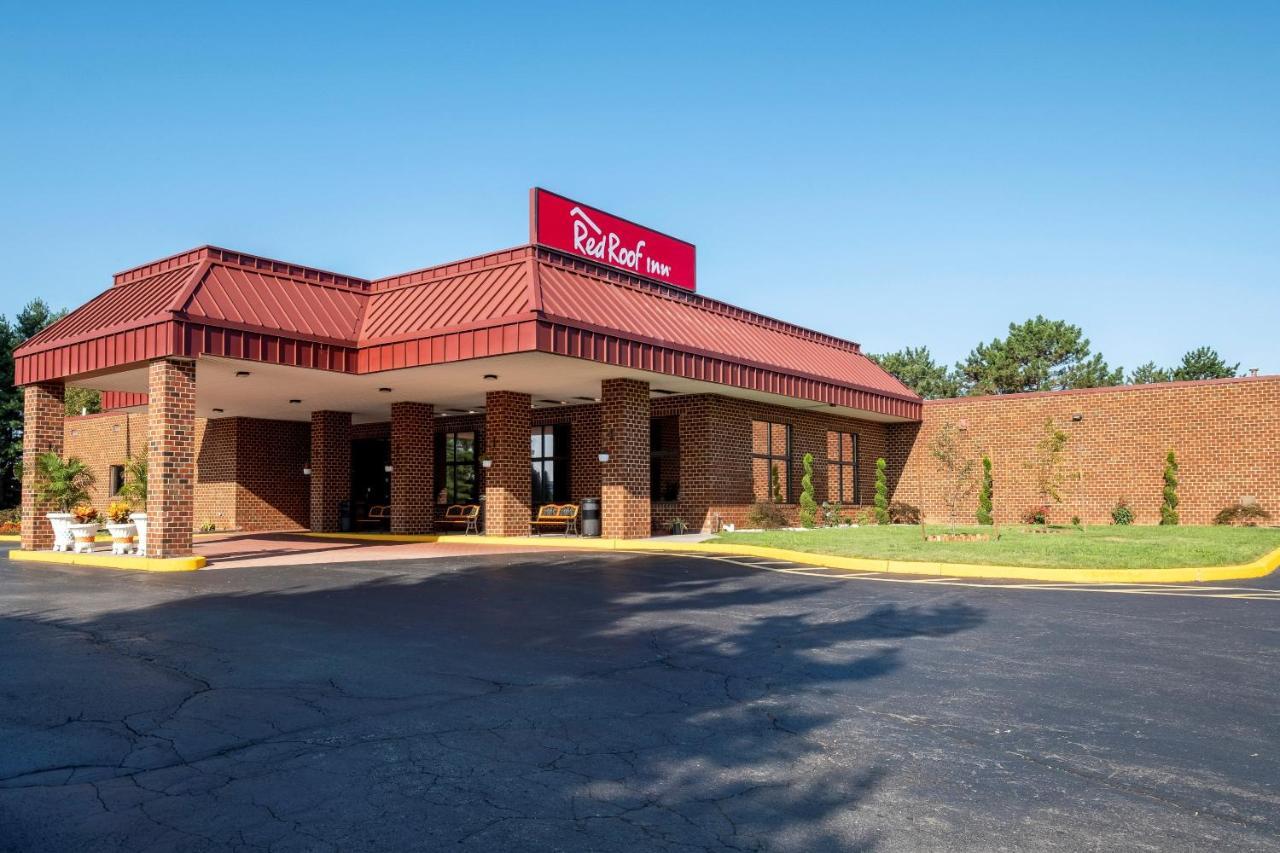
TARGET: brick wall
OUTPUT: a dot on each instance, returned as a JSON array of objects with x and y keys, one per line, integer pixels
[
  {"x": 507, "y": 488},
  {"x": 624, "y": 479},
  {"x": 330, "y": 468},
  {"x": 171, "y": 458},
  {"x": 1224, "y": 432},
  {"x": 271, "y": 493},
  {"x": 42, "y": 432},
  {"x": 412, "y": 463}
]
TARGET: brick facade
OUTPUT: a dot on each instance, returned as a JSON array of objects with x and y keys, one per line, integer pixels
[
  {"x": 42, "y": 432},
  {"x": 624, "y": 479},
  {"x": 1224, "y": 433},
  {"x": 412, "y": 468},
  {"x": 330, "y": 468},
  {"x": 171, "y": 459},
  {"x": 507, "y": 488}
]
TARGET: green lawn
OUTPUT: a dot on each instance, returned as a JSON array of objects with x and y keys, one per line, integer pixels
[{"x": 1100, "y": 547}]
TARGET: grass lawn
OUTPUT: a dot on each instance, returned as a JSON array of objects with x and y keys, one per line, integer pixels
[{"x": 1102, "y": 547}]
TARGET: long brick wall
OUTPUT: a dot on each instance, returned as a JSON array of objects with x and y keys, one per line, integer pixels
[{"x": 1224, "y": 432}]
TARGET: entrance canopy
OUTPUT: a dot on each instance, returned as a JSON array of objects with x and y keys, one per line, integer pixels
[{"x": 545, "y": 323}]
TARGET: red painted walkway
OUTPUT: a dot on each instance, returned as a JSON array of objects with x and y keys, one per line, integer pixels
[{"x": 246, "y": 550}]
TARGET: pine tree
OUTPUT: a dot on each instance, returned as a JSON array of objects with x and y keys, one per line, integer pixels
[
  {"x": 882, "y": 493},
  {"x": 808, "y": 506},
  {"x": 984, "y": 493},
  {"x": 1169, "y": 508}
]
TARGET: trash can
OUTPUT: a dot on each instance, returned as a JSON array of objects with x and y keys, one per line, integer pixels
[
  {"x": 590, "y": 516},
  {"x": 344, "y": 516}
]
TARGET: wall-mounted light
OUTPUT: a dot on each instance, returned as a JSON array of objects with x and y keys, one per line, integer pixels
[
  {"x": 1077, "y": 417},
  {"x": 386, "y": 468},
  {"x": 306, "y": 472},
  {"x": 486, "y": 462},
  {"x": 603, "y": 457}
]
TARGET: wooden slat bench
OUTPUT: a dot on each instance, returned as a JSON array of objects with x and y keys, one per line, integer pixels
[
  {"x": 379, "y": 514},
  {"x": 557, "y": 515},
  {"x": 467, "y": 515}
]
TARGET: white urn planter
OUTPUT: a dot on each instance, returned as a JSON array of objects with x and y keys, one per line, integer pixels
[
  {"x": 61, "y": 523},
  {"x": 139, "y": 520},
  {"x": 123, "y": 537},
  {"x": 84, "y": 534}
]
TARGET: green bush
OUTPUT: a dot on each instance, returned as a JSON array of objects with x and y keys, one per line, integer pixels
[
  {"x": 882, "y": 493},
  {"x": 808, "y": 506},
  {"x": 1122, "y": 513},
  {"x": 832, "y": 513},
  {"x": 1035, "y": 515},
  {"x": 1245, "y": 515},
  {"x": 766, "y": 515},
  {"x": 984, "y": 493},
  {"x": 1169, "y": 508}
]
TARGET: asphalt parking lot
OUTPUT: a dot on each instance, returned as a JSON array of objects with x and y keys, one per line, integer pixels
[{"x": 598, "y": 702}]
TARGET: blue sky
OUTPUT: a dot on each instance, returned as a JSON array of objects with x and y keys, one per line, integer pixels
[{"x": 895, "y": 173}]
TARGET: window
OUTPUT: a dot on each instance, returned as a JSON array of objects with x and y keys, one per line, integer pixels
[
  {"x": 459, "y": 459},
  {"x": 549, "y": 457},
  {"x": 842, "y": 468},
  {"x": 770, "y": 453},
  {"x": 664, "y": 458},
  {"x": 115, "y": 478}
]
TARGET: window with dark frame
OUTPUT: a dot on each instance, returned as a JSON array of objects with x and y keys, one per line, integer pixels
[
  {"x": 664, "y": 458},
  {"x": 549, "y": 460},
  {"x": 115, "y": 479},
  {"x": 460, "y": 474},
  {"x": 770, "y": 451},
  {"x": 842, "y": 468}
]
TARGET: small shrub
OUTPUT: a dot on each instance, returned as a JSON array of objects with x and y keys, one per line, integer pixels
[
  {"x": 808, "y": 506},
  {"x": 1169, "y": 508},
  {"x": 1075, "y": 521},
  {"x": 985, "y": 492},
  {"x": 208, "y": 527},
  {"x": 85, "y": 513},
  {"x": 8, "y": 528},
  {"x": 1244, "y": 515},
  {"x": 882, "y": 493},
  {"x": 832, "y": 513},
  {"x": 867, "y": 517},
  {"x": 13, "y": 514},
  {"x": 1122, "y": 513},
  {"x": 118, "y": 512},
  {"x": 766, "y": 515},
  {"x": 1035, "y": 515},
  {"x": 903, "y": 513}
]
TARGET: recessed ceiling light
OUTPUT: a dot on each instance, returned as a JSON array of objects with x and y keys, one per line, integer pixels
[
  {"x": 586, "y": 399},
  {"x": 294, "y": 402},
  {"x": 385, "y": 390},
  {"x": 662, "y": 391},
  {"x": 491, "y": 376},
  {"x": 471, "y": 412},
  {"x": 242, "y": 373},
  {"x": 550, "y": 402},
  {"x": 217, "y": 411}
]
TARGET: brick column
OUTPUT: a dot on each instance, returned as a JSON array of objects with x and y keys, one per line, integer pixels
[
  {"x": 41, "y": 433},
  {"x": 171, "y": 457},
  {"x": 624, "y": 479},
  {"x": 508, "y": 484},
  {"x": 412, "y": 464},
  {"x": 330, "y": 468}
]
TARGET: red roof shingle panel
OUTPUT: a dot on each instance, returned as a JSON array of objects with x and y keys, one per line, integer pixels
[
  {"x": 250, "y": 297},
  {"x": 481, "y": 295}
]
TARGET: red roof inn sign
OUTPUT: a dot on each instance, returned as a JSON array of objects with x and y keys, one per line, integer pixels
[{"x": 576, "y": 229}]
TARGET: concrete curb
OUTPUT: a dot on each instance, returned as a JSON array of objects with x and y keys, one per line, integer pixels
[
  {"x": 111, "y": 561},
  {"x": 1264, "y": 565}
]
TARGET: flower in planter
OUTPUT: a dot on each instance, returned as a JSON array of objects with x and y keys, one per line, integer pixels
[
  {"x": 118, "y": 512},
  {"x": 85, "y": 513}
]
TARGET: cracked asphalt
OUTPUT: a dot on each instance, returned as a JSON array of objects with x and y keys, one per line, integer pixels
[{"x": 598, "y": 702}]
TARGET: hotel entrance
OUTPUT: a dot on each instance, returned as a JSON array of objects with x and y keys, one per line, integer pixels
[{"x": 371, "y": 484}]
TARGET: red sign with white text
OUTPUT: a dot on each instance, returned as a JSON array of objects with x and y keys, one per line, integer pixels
[{"x": 576, "y": 229}]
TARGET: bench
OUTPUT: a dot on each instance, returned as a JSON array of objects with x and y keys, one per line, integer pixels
[
  {"x": 467, "y": 515},
  {"x": 379, "y": 514},
  {"x": 557, "y": 515}
]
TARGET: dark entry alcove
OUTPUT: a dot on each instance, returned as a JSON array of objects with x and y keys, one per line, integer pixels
[{"x": 370, "y": 481}]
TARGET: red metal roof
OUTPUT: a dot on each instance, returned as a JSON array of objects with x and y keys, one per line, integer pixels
[{"x": 218, "y": 302}]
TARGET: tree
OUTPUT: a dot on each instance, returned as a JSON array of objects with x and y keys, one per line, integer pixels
[
  {"x": 1169, "y": 506},
  {"x": 1038, "y": 355},
  {"x": 916, "y": 369},
  {"x": 1048, "y": 465},
  {"x": 808, "y": 506},
  {"x": 985, "y": 493},
  {"x": 82, "y": 401},
  {"x": 956, "y": 468},
  {"x": 1147, "y": 374},
  {"x": 62, "y": 482},
  {"x": 882, "y": 493},
  {"x": 1204, "y": 363}
]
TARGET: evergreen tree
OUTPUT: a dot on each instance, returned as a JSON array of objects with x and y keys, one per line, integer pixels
[
  {"x": 1169, "y": 506},
  {"x": 985, "y": 493},
  {"x": 882, "y": 493},
  {"x": 808, "y": 506},
  {"x": 1204, "y": 363},
  {"x": 1038, "y": 355},
  {"x": 915, "y": 368},
  {"x": 1149, "y": 373}
]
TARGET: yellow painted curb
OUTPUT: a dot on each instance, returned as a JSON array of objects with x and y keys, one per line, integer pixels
[
  {"x": 1264, "y": 565},
  {"x": 10, "y": 538},
  {"x": 111, "y": 561}
]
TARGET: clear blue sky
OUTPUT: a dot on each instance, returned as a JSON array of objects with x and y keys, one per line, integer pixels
[{"x": 899, "y": 174}]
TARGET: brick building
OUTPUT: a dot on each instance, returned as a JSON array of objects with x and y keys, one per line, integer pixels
[{"x": 269, "y": 395}]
